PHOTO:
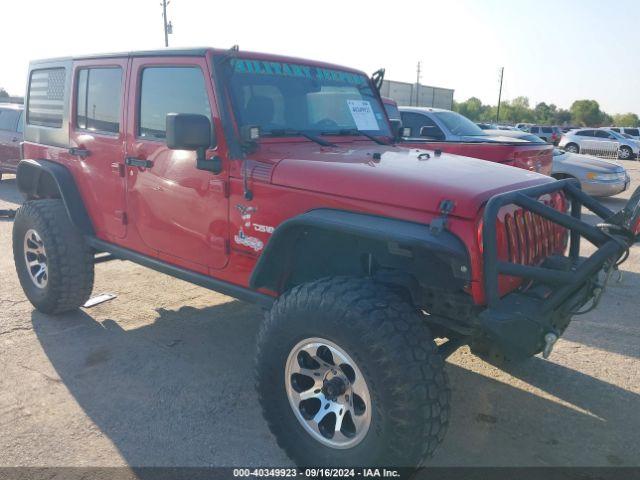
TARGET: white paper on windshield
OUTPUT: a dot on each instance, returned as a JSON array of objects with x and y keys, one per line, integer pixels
[{"x": 362, "y": 114}]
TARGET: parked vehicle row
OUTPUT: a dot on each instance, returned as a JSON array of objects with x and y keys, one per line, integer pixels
[{"x": 597, "y": 177}]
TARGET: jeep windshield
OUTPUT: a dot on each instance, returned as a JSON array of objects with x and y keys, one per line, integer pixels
[{"x": 292, "y": 99}]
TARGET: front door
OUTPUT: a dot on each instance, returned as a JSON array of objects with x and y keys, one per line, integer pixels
[
  {"x": 178, "y": 210},
  {"x": 97, "y": 133}
]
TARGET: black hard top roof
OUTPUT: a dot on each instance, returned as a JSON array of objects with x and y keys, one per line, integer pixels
[{"x": 165, "y": 52}]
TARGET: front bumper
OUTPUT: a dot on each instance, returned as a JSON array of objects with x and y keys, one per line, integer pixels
[
  {"x": 516, "y": 324},
  {"x": 604, "y": 188}
]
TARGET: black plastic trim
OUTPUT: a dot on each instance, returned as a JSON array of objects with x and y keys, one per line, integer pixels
[
  {"x": 28, "y": 177},
  {"x": 196, "y": 278},
  {"x": 408, "y": 234}
]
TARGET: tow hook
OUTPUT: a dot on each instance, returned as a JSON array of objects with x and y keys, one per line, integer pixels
[{"x": 550, "y": 340}]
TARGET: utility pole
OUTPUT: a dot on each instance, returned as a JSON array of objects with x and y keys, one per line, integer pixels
[
  {"x": 418, "y": 85},
  {"x": 167, "y": 25},
  {"x": 499, "y": 95}
]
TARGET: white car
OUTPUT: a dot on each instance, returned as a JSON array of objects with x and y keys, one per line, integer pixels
[
  {"x": 600, "y": 142},
  {"x": 632, "y": 131}
]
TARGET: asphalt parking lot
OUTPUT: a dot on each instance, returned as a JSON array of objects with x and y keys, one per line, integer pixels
[{"x": 163, "y": 376}]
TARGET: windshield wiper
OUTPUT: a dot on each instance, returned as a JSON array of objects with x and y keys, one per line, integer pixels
[
  {"x": 289, "y": 132},
  {"x": 355, "y": 132}
]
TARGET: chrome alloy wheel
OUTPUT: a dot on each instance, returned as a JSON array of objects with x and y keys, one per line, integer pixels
[
  {"x": 328, "y": 393},
  {"x": 35, "y": 258},
  {"x": 624, "y": 153}
]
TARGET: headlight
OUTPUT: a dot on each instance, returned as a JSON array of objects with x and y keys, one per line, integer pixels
[{"x": 606, "y": 177}]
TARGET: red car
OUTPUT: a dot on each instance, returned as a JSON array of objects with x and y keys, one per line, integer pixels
[
  {"x": 10, "y": 137},
  {"x": 434, "y": 128},
  {"x": 277, "y": 180}
]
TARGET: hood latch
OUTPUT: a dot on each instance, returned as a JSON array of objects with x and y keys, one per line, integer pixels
[{"x": 439, "y": 224}]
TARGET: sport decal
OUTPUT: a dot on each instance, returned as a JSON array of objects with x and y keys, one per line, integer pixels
[{"x": 241, "y": 238}]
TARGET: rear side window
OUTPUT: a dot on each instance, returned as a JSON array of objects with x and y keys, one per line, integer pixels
[
  {"x": 46, "y": 97},
  {"x": 20, "y": 126},
  {"x": 616, "y": 130},
  {"x": 585, "y": 133},
  {"x": 392, "y": 111},
  {"x": 415, "y": 122},
  {"x": 9, "y": 119},
  {"x": 632, "y": 131},
  {"x": 170, "y": 90},
  {"x": 98, "y": 99},
  {"x": 534, "y": 130},
  {"x": 547, "y": 130}
]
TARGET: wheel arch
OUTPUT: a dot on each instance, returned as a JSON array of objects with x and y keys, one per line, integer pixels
[
  {"x": 326, "y": 242},
  {"x": 41, "y": 178}
]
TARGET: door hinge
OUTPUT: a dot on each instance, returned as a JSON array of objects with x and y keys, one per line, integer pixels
[
  {"x": 118, "y": 168},
  {"x": 439, "y": 224},
  {"x": 219, "y": 186},
  {"x": 122, "y": 216}
]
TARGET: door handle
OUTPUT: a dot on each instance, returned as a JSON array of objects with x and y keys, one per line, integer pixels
[
  {"x": 138, "y": 162},
  {"x": 79, "y": 152}
]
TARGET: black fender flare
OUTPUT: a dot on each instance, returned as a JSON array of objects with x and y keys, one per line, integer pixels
[
  {"x": 400, "y": 237},
  {"x": 48, "y": 179}
]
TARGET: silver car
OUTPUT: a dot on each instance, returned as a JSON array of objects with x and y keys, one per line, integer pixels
[
  {"x": 632, "y": 131},
  {"x": 440, "y": 125},
  {"x": 598, "y": 177},
  {"x": 600, "y": 142}
]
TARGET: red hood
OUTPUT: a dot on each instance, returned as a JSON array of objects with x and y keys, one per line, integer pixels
[{"x": 398, "y": 178}]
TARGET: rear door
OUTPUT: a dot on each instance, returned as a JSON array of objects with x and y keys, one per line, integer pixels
[
  {"x": 178, "y": 210},
  {"x": 97, "y": 133},
  {"x": 607, "y": 143}
]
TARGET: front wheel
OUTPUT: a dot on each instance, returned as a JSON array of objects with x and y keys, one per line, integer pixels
[
  {"x": 348, "y": 375},
  {"x": 625, "y": 153},
  {"x": 572, "y": 148}
]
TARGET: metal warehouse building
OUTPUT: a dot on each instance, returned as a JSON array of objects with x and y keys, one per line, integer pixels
[{"x": 411, "y": 94}]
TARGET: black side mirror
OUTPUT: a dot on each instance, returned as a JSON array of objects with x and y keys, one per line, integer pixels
[
  {"x": 189, "y": 131},
  {"x": 431, "y": 131},
  {"x": 396, "y": 127}
]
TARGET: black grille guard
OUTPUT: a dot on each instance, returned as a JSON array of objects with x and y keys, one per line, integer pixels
[{"x": 613, "y": 239}]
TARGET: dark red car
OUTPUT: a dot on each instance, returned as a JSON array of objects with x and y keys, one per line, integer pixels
[
  {"x": 10, "y": 137},
  {"x": 428, "y": 128},
  {"x": 278, "y": 181}
]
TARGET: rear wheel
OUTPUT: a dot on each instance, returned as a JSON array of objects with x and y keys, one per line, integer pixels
[
  {"x": 625, "y": 153},
  {"x": 572, "y": 148},
  {"x": 53, "y": 262},
  {"x": 348, "y": 374}
]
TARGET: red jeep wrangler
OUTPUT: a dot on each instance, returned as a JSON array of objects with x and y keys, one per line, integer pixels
[{"x": 278, "y": 181}]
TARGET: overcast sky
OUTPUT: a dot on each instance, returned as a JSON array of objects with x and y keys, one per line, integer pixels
[{"x": 552, "y": 50}]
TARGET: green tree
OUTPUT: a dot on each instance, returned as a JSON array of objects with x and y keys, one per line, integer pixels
[
  {"x": 471, "y": 108},
  {"x": 562, "y": 117},
  {"x": 587, "y": 113},
  {"x": 626, "y": 120},
  {"x": 3, "y": 93}
]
